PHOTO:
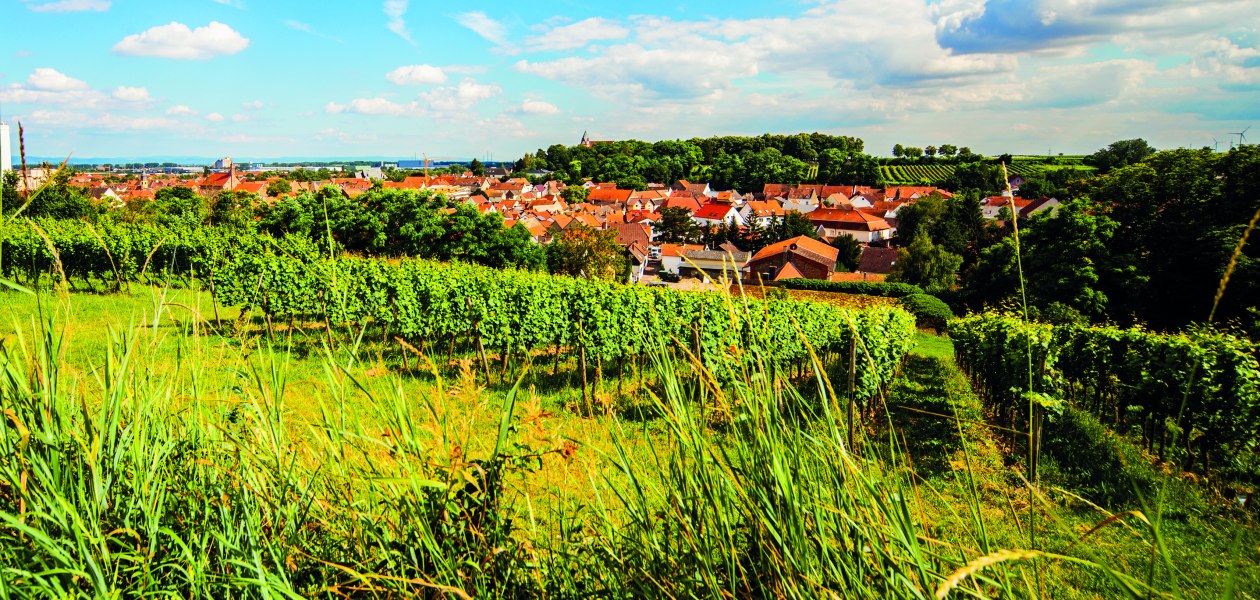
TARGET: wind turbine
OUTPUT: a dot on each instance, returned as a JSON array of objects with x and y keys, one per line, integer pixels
[
  {"x": 1242, "y": 135},
  {"x": 1216, "y": 144}
]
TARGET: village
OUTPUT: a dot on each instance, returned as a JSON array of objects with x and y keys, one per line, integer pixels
[{"x": 866, "y": 214}]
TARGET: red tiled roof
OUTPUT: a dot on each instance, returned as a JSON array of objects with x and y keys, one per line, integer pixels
[
  {"x": 800, "y": 242},
  {"x": 847, "y": 219},
  {"x": 609, "y": 195},
  {"x": 713, "y": 211}
]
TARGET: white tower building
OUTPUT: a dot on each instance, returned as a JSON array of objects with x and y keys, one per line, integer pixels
[{"x": 6, "y": 149}]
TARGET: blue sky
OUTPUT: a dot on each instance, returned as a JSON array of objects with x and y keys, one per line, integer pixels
[{"x": 248, "y": 78}]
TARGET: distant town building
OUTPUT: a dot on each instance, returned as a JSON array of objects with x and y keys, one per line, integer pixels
[{"x": 223, "y": 163}]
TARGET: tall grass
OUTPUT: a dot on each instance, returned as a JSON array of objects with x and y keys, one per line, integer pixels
[{"x": 122, "y": 482}]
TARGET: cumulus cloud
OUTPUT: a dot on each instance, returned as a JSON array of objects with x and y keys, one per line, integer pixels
[
  {"x": 578, "y": 34},
  {"x": 176, "y": 40},
  {"x": 395, "y": 10},
  {"x": 416, "y": 75},
  {"x": 538, "y": 107},
  {"x": 214, "y": 117},
  {"x": 52, "y": 80},
  {"x": 131, "y": 94},
  {"x": 443, "y": 102},
  {"x": 460, "y": 98},
  {"x": 65, "y": 6},
  {"x": 252, "y": 105},
  {"x": 977, "y": 26},
  {"x": 484, "y": 26},
  {"x": 180, "y": 109}
]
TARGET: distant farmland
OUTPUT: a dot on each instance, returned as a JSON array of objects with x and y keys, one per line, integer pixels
[{"x": 937, "y": 173}]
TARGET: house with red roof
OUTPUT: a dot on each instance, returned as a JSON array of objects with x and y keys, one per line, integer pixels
[
  {"x": 717, "y": 213},
  {"x": 763, "y": 213},
  {"x": 799, "y": 257},
  {"x": 835, "y": 222}
]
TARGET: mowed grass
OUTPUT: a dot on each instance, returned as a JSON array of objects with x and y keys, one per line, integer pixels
[{"x": 933, "y": 346}]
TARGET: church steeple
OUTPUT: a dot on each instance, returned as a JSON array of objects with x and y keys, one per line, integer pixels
[{"x": 586, "y": 140}]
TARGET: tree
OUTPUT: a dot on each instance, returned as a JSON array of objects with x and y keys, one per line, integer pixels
[
  {"x": 836, "y": 167},
  {"x": 927, "y": 265},
  {"x": 850, "y": 252},
  {"x": 478, "y": 169},
  {"x": 279, "y": 187},
  {"x": 899, "y": 151},
  {"x": 575, "y": 194},
  {"x": 795, "y": 224},
  {"x": 581, "y": 251},
  {"x": 675, "y": 226},
  {"x": 233, "y": 209},
  {"x": 930, "y": 151},
  {"x": 948, "y": 150},
  {"x": 913, "y": 152},
  {"x": 180, "y": 207},
  {"x": 1120, "y": 154}
]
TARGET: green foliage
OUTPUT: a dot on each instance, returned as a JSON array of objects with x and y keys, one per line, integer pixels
[
  {"x": 524, "y": 311},
  {"x": 850, "y": 253},
  {"x": 1091, "y": 459},
  {"x": 1128, "y": 377},
  {"x": 675, "y": 226},
  {"x": 575, "y": 194},
  {"x": 279, "y": 187},
  {"x": 928, "y": 311},
  {"x": 1120, "y": 154},
  {"x": 581, "y": 251},
  {"x": 57, "y": 199},
  {"x": 180, "y": 208},
  {"x": 865, "y": 288},
  {"x": 925, "y": 264}
]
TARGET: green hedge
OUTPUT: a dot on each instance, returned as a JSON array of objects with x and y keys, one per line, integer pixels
[
  {"x": 928, "y": 310},
  {"x": 865, "y": 288}
]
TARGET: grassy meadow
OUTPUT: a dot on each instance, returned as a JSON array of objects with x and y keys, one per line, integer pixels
[{"x": 151, "y": 448}]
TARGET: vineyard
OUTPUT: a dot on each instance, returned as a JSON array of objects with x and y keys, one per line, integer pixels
[
  {"x": 468, "y": 307},
  {"x": 1191, "y": 398},
  {"x": 936, "y": 174},
  {"x": 439, "y": 306}
]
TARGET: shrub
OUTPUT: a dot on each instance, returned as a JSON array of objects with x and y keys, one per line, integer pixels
[
  {"x": 928, "y": 310},
  {"x": 865, "y": 288}
]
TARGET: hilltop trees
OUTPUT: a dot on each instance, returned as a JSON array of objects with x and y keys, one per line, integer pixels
[
  {"x": 1121, "y": 153},
  {"x": 743, "y": 162}
]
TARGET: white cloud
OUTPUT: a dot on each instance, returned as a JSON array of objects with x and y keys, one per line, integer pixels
[
  {"x": 239, "y": 118},
  {"x": 416, "y": 75},
  {"x": 252, "y": 105},
  {"x": 131, "y": 94},
  {"x": 334, "y": 108},
  {"x": 395, "y": 10},
  {"x": 52, "y": 80},
  {"x": 175, "y": 40},
  {"x": 538, "y": 107},
  {"x": 378, "y": 106},
  {"x": 484, "y": 26},
  {"x": 180, "y": 109},
  {"x": 577, "y": 35},
  {"x": 214, "y": 117},
  {"x": 65, "y": 6},
  {"x": 459, "y": 99}
]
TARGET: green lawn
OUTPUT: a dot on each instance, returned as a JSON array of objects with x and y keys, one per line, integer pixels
[{"x": 933, "y": 346}]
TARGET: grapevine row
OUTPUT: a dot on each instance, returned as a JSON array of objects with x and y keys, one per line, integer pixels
[
  {"x": 1129, "y": 379},
  {"x": 512, "y": 311}
]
